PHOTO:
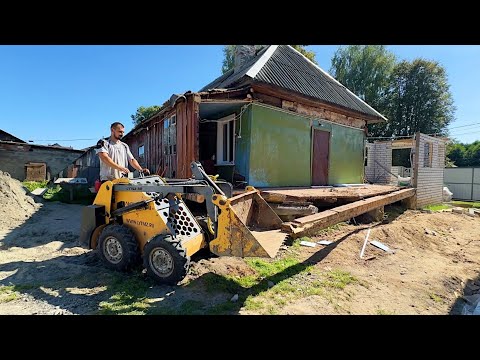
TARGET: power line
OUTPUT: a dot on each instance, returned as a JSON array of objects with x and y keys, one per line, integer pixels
[{"x": 456, "y": 127}]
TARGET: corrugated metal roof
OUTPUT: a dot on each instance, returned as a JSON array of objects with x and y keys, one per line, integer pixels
[{"x": 288, "y": 69}]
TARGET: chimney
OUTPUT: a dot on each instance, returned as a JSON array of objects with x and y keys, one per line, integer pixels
[{"x": 243, "y": 53}]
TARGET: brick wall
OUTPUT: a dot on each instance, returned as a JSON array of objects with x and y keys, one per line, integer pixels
[
  {"x": 378, "y": 153},
  {"x": 429, "y": 179},
  {"x": 14, "y": 157}
]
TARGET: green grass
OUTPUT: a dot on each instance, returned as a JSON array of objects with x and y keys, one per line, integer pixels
[
  {"x": 224, "y": 308},
  {"x": 435, "y": 298},
  {"x": 32, "y": 185},
  {"x": 129, "y": 296},
  {"x": 7, "y": 293},
  {"x": 53, "y": 193},
  {"x": 269, "y": 268},
  {"x": 338, "y": 279},
  {"x": 436, "y": 207},
  {"x": 331, "y": 229},
  {"x": 474, "y": 204}
]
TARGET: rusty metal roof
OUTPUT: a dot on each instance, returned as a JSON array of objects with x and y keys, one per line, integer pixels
[{"x": 285, "y": 67}]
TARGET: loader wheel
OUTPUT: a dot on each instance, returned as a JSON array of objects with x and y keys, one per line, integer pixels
[
  {"x": 118, "y": 248},
  {"x": 166, "y": 260}
]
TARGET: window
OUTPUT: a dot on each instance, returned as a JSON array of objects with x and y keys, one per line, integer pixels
[
  {"x": 141, "y": 152},
  {"x": 170, "y": 135},
  {"x": 427, "y": 154},
  {"x": 226, "y": 140}
]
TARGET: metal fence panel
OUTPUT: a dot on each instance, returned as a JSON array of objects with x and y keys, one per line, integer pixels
[{"x": 464, "y": 183}]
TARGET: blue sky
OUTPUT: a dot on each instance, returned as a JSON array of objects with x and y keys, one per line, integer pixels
[{"x": 60, "y": 94}]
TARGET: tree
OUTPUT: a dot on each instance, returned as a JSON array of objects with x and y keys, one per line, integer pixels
[
  {"x": 228, "y": 58},
  {"x": 364, "y": 70},
  {"x": 144, "y": 113},
  {"x": 464, "y": 154},
  {"x": 418, "y": 99},
  {"x": 229, "y": 55},
  {"x": 455, "y": 152}
]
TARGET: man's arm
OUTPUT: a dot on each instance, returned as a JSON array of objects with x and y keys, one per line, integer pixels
[
  {"x": 108, "y": 161},
  {"x": 137, "y": 166}
]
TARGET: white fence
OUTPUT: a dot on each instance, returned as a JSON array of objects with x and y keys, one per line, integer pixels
[{"x": 464, "y": 183}]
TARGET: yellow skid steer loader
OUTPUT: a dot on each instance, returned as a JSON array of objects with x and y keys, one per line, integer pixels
[{"x": 146, "y": 218}]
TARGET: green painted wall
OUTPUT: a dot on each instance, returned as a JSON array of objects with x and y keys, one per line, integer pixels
[
  {"x": 279, "y": 149},
  {"x": 346, "y": 155},
  {"x": 242, "y": 144}
]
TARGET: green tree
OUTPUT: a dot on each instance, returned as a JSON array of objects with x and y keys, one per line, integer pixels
[
  {"x": 418, "y": 99},
  {"x": 365, "y": 70},
  {"x": 229, "y": 55},
  {"x": 144, "y": 112},
  {"x": 464, "y": 154},
  {"x": 455, "y": 152}
]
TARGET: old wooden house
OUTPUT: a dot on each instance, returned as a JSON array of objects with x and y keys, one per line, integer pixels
[
  {"x": 33, "y": 162},
  {"x": 275, "y": 119}
]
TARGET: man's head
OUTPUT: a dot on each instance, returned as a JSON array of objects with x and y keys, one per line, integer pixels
[{"x": 117, "y": 130}]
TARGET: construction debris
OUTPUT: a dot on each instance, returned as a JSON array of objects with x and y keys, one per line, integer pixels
[
  {"x": 312, "y": 223},
  {"x": 308, "y": 243},
  {"x": 290, "y": 211},
  {"x": 365, "y": 243},
  {"x": 381, "y": 246},
  {"x": 325, "y": 242}
]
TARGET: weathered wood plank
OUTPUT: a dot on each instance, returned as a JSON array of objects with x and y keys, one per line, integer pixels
[{"x": 312, "y": 223}]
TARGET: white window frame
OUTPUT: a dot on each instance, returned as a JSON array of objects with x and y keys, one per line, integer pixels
[{"x": 230, "y": 121}]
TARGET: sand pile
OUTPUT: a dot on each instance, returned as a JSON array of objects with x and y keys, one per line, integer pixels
[{"x": 15, "y": 204}]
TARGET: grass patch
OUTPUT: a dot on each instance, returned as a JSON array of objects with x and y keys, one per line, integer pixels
[
  {"x": 331, "y": 229},
  {"x": 224, "y": 308},
  {"x": 129, "y": 296},
  {"x": 468, "y": 204},
  {"x": 435, "y": 298},
  {"x": 269, "y": 268},
  {"x": 7, "y": 293},
  {"x": 32, "y": 185},
  {"x": 436, "y": 207},
  {"x": 338, "y": 279},
  {"x": 54, "y": 193},
  {"x": 253, "y": 304}
]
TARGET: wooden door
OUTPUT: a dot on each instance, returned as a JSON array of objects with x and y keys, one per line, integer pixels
[{"x": 320, "y": 151}]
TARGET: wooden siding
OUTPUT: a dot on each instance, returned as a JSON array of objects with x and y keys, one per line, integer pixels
[{"x": 151, "y": 136}]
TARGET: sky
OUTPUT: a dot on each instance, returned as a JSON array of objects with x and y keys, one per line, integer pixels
[{"x": 70, "y": 94}]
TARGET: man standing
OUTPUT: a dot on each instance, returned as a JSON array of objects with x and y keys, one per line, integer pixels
[{"x": 115, "y": 155}]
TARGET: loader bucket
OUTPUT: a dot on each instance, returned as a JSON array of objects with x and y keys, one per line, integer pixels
[{"x": 247, "y": 227}]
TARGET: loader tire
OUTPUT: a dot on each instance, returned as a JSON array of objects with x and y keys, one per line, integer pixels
[
  {"x": 117, "y": 248},
  {"x": 165, "y": 259}
]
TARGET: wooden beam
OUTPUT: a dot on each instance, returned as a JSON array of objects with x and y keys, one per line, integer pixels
[
  {"x": 291, "y": 96},
  {"x": 310, "y": 224}
]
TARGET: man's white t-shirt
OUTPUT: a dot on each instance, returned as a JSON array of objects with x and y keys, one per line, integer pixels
[{"x": 120, "y": 153}]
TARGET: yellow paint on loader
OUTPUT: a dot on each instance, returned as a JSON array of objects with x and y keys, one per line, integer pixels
[{"x": 246, "y": 227}]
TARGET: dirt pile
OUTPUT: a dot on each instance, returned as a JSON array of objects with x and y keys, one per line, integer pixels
[{"x": 15, "y": 204}]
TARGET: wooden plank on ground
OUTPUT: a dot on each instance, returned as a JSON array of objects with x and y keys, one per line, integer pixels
[{"x": 309, "y": 224}]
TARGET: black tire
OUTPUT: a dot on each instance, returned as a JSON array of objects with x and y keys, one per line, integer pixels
[
  {"x": 117, "y": 247},
  {"x": 165, "y": 259}
]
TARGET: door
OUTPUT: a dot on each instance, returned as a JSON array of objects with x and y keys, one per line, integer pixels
[{"x": 320, "y": 151}]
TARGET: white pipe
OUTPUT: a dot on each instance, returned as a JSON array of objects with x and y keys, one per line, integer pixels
[{"x": 365, "y": 243}]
